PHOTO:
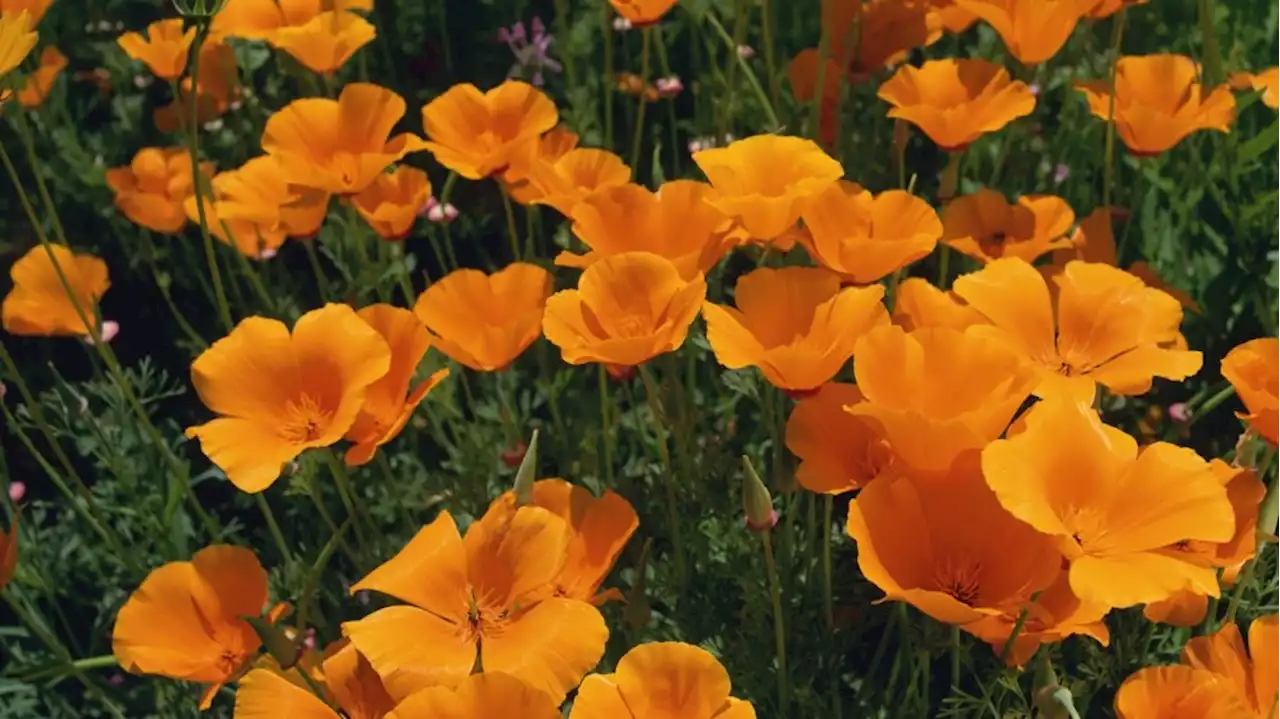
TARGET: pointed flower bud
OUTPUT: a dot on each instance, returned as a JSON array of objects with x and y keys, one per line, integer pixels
[
  {"x": 757, "y": 504},
  {"x": 527, "y": 474}
]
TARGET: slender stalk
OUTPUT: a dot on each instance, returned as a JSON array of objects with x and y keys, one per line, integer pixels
[
  {"x": 193, "y": 148},
  {"x": 955, "y": 658},
  {"x": 512, "y": 234},
  {"x": 828, "y": 591},
  {"x": 445, "y": 194},
  {"x": 819, "y": 88},
  {"x": 769, "y": 112},
  {"x": 779, "y": 630},
  {"x": 1007, "y": 649},
  {"x": 606, "y": 423},
  {"x": 1108, "y": 176},
  {"x": 668, "y": 471},
  {"x": 313, "y": 258},
  {"x": 1211, "y": 55},
  {"x": 99, "y": 662},
  {"x": 276, "y": 535},
  {"x": 637, "y": 139},
  {"x": 562, "y": 29},
  {"x": 775, "y": 87},
  {"x": 347, "y": 494},
  {"x": 606, "y": 16},
  {"x": 1266, "y": 527}
]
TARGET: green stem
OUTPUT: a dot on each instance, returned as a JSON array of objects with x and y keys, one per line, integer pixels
[
  {"x": 1211, "y": 55},
  {"x": 828, "y": 610},
  {"x": 1108, "y": 176},
  {"x": 193, "y": 148},
  {"x": 775, "y": 87},
  {"x": 769, "y": 112},
  {"x": 668, "y": 471},
  {"x": 606, "y": 15},
  {"x": 606, "y": 423},
  {"x": 779, "y": 630},
  {"x": 1266, "y": 526},
  {"x": 637, "y": 139},
  {"x": 1007, "y": 649},
  {"x": 815, "y": 109},
  {"x": 272, "y": 526},
  {"x": 99, "y": 662},
  {"x": 347, "y": 494},
  {"x": 955, "y": 659},
  {"x": 445, "y": 194},
  {"x": 512, "y": 234},
  {"x": 562, "y": 29},
  {"x": 313, "y": 258}
]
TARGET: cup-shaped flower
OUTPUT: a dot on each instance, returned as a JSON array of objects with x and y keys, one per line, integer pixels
[
  {"x": 1032, "y": 30},
  {"x": 163, "y": 47},
  {"x": 8, "y": 553},
  {"x": 485, "y": 695},
  {"x": 186, "y": 619},
  {"x": 954, "y": 18},
  {"x": 920, "y": 304},
  {"x": 476, "y": 133},
  {"x": 35, "y": 9},
  {"x": 346, "y": 679},
  {"x": 254, "y": 208},
  {"x": 955, "y": 102},
  {"x": 1105, "y": 328},
  {"x": 886, "y": 32},
  {"x": 526, "y": 156},
  {"x": 839, "y": 451},
  {"x": 1266, "y": 82},
  {"x": 1252, "y": 369},
  {"x": 1113, "y": 510},
  {"x": 262, "y": 19},
  {"x": 1250, "y": 674},
  {"x": 575, "y": 177},
  {"x": 642, "y": 12},
  {"x": 154, "y": 187},
  {"x": 659, "y": 680},
  {"x": 1055, "y": 614},
  {"x": 486, "y": 321},
  {"x": 675, "y": 222},
  {"x": 627, "y": 309},
  {"x": 1107, "y": 8},
  {"x": 219, "y": 88},
  {"x": 339, "y": 146},
  {"x": 392, "y": 203},
  {"x": 1173, "y": 692},
  {"x": 1158, "y": 101},
  {"x": 486, "y": 594},
  {"x": 986, "y": 227},
  {"x": 803, "y": 75},
  {"x": 279, "y": 394},
  {"x": 39, "y": 304},
  {"x": 864, "y": 237},
  {"x": 764, "y": 181},
  {"x": 40, "y": 82},
  {"x": 16, "y": 39},
  {"x": 795, "y": 324},
  {"x": 325, "y": 42}
]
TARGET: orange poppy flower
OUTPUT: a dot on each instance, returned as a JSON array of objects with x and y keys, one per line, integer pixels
[
  {"x": 919, "y": 304},
  {"x": 16, "y": 40},
  {"x": 675, "y": 222},
  {"x": 152, "y": 190},
  {"x": 642, "y": 12},
  {"x": 628, "y": 308},
  {"x": 863, "y": 237},
  {"x": 839, "y": 452},
  {"x": 1175, "y": 692},
  {"x": 341, "y": 145},
  {"x": 478, "y": 696},
  {"x": 938, "y": 392},
  {"x": 1183, "y": 608},
  {"x": 186, "y": 620},
  {"x": 163, "y": 47},
  {"x": 955, "y": 19},
  {"x": 1055, "y": 614},
  {"x": 325, "y": 42},
  {"x": 1252, "y": 369},
  {"x": 1251, "y": 674},
  {"x": 38, "y": 304},
  {"x": 524, "y": 157},
  {"x": 219, "y": 88},
  {"x": 576, "y": 176},
  {"x": 261, "y": 19},
  {"x": 346, "y": 678},
  {"x": 1266, "y": 82},
  {"x": 35, "y": 9},
  {"x": 476, "y": 133},
  {"x": 803, "y": 74},
  {"x": 955, "y": 102},
  {"x": 986, "y": 227},
  {"x": 890, "y": 30},
  {"x": 485, "y": 594},
  {"x": 1107, "y": 8},
  {"x": 279, "y": 394},
  {"x": 486, "y": 321},
  {"x": 1112, "y": 509},
  {"x": 254, "y": 208},
  {"x": 392, "y": 202},
  {"x": 763, "y": 181},
  {"x": 40, "y": 82},
  {"x": 1032, "y": 30},
  {"x": 1158, "y": 101},
  {"x": 795, "y": 324},
  {"x": 8, "y": 553},
  {"x": 643, "y": 686},
  {"x": 1105, "y": 326}
]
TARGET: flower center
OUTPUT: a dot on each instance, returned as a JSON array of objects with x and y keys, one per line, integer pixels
[
  {"x": 993, "y": 244},
  {"x": 306, "y": 420},
  {"x": 959, "y": 578}
]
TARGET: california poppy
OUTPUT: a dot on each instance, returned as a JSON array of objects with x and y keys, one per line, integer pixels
[
  {"x": 476, "y": 133},
  {"x": 392, "y": 202},
  {"x": 1158, "y": 101},
  {"x": 1032, "y": 30},
  {"x": 40, "y": 82},
  {"x": 255, "y": 207},
  {"x": 16, "y": 39},
  {"x": 675, "y": 222},
  {"x": 346, "y": 679},
  {"x": 864, "y": 237},
  {"x": 485, "y": 321},
  {"x": 1055, "y": 614},
  {"x": 919, "y": 304},
  {"x": 888, "y": 31},
  {"x": 186, "y": 620},
  {"x": 642, "y": 12},
  {"x": 485, "y": 594},
  {"x": 1174, "y": 692},
  {"x": 763, "y": 181},
  {"x": 955, "y": 102},
  {"x": 1251, "y": 674},
  {"x": 262, "y": 19},
  {"x": 839, "y": 452},
  {"x": 795, "y": 324},
  {"x": 152, "y": 190},
  {"x": 627, "y": 309},
  {"x": 1112, "y": 510},
  {"x": 986, "y": 227},
  {"x": 525, "y": 156},
  {"x": 279, "y": 394},
  {"x": 1104, "y": 326},
  {"x": 478, "y": 696},
  {"x": 955, "y": 19},
  {"x": 576, "y": 176},
  {"x": 1107, "y": 8},
  {"x": 659, "y": 680},
  {"x": 339, "y": 146},
  {"x": 8, "y": 553},
  {"x": 1266, "y": 82},
  {"x": 219, "y": 88},
  {"x": 35, "y": 9},
  {"x": 325, "y": 42},
  {"x": 937, "y": 393},
  {"x": 38, "y": 304},
  {"x": 163, "y": 47},
  {"x": 802, "y": 72},
  {"x": 1252, "y": 369}
]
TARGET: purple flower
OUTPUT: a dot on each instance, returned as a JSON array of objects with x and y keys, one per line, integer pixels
[
  {"x": 531, "y": 52},
  {"x": 1061, "y": 173}
]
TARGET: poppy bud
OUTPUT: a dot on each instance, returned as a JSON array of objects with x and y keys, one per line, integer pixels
[
  {"x": 757, "y": 504},
  {"x": 1055, "y": 702},
  {"x": 198, "y": 10},
  {"x": 276, "y": 641},
  {"x": 527, "y": 474}
]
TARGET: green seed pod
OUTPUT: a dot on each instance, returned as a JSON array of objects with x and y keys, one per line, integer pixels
[{"x": 757, "y": 503}]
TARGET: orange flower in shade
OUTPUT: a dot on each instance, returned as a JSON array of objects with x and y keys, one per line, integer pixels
[
  {"x": 763, "y": 181},
  {"x": 1252, "y": 369},
  {"x": 389, "y": 402},
  {"x": 890, "y": 29},
  {"x": 955, "y": 19},
  {"x": 163, "y": 47},
  {"x": 955, "y": 102},
  {"x": 642, "y": 12},
  {"x": 803, "y": 74},
  {"x": 8, "y": 553},
  {"x": 486, "y": 321},
  {"x": 339, "y": 146},
  {"x": 261, "y": 19},
  {"x": 486, "y": 594},
  {"x": 16, "y": 40},
  {"x": 675, "y": 222},
  {"x": 35, "y": 9},
  {"x": 325, "y": 42},
  {"x": 38, "y": 304},
  {"x": 920, "y": 304},
  {"x": 1253, "y": 674},
  {"x": 1055, "y": 614},
  {"x": 986, "y": 227},
  {"x": 795, "y": 324},
  {"x": 628, "y": 308},
  {"x": 280, "y": 394},
  {"x": 1107, "y": 8},
  {"x": 524, "y": 157},
  {"x": 1032, "y": 30},
  {"x": 392, "y": 202},
  {"x": 219, "y": 88},
  {"x": 575, "y": 177},
  {"x": 1266, "y": 82},
  {"x": 476, "y": 133},
  {"x": 1105, "y": 327},
  {"x": 938, "y": 392},
  {"x": 348, "y": 681},
  {"x": 1112, "y": 510},
  {"x": 40, "y": 82},
  {"x": 254, "y": 208},
  {"x": 839, "y": 452},
  {"x": 152, "y": 190},
  {"x": 1175, "y": 692},
  {"x": 863, "y": 237},
  {"x": 186, "y": 620},
  {"x": 660, "y": 680},
  {"x": 478, "y": 696},
  {"x": 1158, "y": 101}
]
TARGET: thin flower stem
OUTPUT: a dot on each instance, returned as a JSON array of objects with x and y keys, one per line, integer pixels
[
  {"x": 877, "y": 657},
  {"x": 1007, "y": 649},
  {"x": 665, "y": 64},
  {"x": 178, "y": 316},
  {"x": 955, "y": 658},
  {"x": 828, "y": 591},
  {"x": 637, "y": 139},
  {"x": 731, "y": 72},
  {"x": 606, "y": 438},
  {"x": 445, "y": 194},
  {"x": 99, "y": 662},
  {"x": 1211, "y": 55},
  {"x": 313, "y": 257},
  {"x": 779, "y": 630},
  {"x": 769, "y": 112},
  {"x": 775, "y": 87},
  {"x": 327, "y": 518},
  {"x": 815, "y": 109},
  {"x": 606, "y": 16},
  {"x": 668, "y": 471},
  {"x": 193, "y": 148},
  {"x": 512, "y": 234},
  {"x": 1266, "y": 527},
  {"x": 1108, "y": 175},
  {"x": 347, "y": 495},
  {"x": 562, "y": 30},
  {"x": 274, "y": 527}
]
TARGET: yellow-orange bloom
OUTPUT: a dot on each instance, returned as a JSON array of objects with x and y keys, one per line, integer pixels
[
  {"x": 955, "y": 19},
  {"x": 642, "y": 12},
  {"x": 255, "y": 207},
  {"x": 8, "y": 553},
  {"x": 1055, "y": 614},
  {"x": 40, "y": 82},
  {"x": 261, "y": 19},
  {"x": 919, "y": 304},
  {"x": 486, "y": 321},
  {"x": 525, "y": 156},
  {"x": 1107, "y": 8},
  {"x": 279, "y": 394},
  {"x": 628, "y": 308},
  {"x": 476, "y": 133},
  {"x": 763, "y": 181},
  {"x": 1177, "y": 692},
  {"x": 35, "y": 9},
  {"x": 339, "y": 146},
  {"x": 660, "y": 680},
  {"x": 1266, "y": 82},
  {"x": 16, "y": 39},
  {"x": 1252, "y": 369},
  {"x": 186, "y": 620},
  {"x": 1253, "y": 674},
  {"x": 576, "y": 177},
  {"x": 346, "y": 679},
  {"x": 889, "y": 30},
  {"x": 163, "y": 47},
  {"x": 986, "y": 227},
  {"x": 955, "y": 102},
  {"x": 864, "y": 237},
  {"x": 392, "y": 202},
  {"x": 325, "y": 42},
  {"x": 1032, "y": 30},
  {"x": 219, "y": 88},
  {"x": 795, "y": 324},
  {"x": 479, "y": 696},
  {"x": 1158, "y": 101},
  {"x": 153, "y": 189},
  {"x": 38, "y": 303},
  {"x": 839, "y": 451}
]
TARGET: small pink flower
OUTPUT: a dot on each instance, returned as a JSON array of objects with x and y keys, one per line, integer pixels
[
  {"x": 746, "y": 52},
  {"x": 669, "y": 86},
  {"x": 621, "y": 24},
  {"x": 426, "y": 206},
  {"x": 108, "y": 332},
  {"x": 442, "y": 214},
  {"x": 1179, "y": 412},
  {"x": 17, "y": 490},
  {"x": 267, "y": 253}
]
